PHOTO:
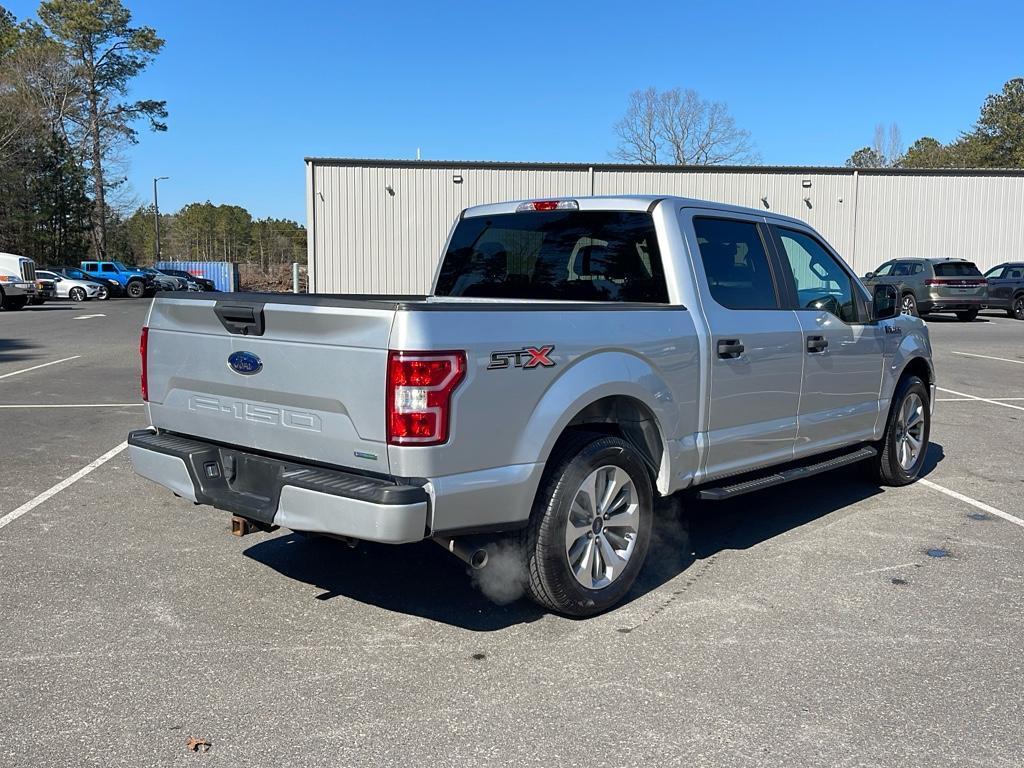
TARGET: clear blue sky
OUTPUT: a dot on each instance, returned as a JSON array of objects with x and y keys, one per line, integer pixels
[{"x": 253, "y": 87}]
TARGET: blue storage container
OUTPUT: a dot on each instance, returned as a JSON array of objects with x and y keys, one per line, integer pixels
[{"x": 223, "y": 273}]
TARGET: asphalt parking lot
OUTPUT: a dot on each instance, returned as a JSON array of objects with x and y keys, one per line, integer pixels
[{"x": 824, "y": 623}]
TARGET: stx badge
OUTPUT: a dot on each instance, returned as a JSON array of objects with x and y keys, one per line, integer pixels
[{"x": 527, "y": 357}]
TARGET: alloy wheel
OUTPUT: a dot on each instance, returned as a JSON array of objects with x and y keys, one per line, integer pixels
[
  {"x": 910, "y": 431},
  {"x": 601, "y": 531},
  {"x": 1018, "y": 307}
]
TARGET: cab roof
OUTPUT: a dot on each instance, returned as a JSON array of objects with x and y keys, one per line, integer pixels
[{"x": 628, "y": 203}]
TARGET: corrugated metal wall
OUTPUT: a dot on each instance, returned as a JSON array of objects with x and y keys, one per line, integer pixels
[{"x": 379, "y": 228}]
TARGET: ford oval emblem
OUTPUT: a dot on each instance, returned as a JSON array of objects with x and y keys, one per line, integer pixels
[{"x": 245, "y": 363}]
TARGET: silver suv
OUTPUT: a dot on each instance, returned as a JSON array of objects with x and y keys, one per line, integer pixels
[{"x": 934, "y": 285}]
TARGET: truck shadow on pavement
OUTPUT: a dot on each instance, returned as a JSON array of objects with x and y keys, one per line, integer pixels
[
  {"x": 12, "y": 350},
  {"x": 424, "y": 580}
]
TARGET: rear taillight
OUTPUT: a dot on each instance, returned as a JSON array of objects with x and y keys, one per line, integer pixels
[
  {"x": 930, "y": 281},
  {"x": 419, "y": 395},
  {"x": 143, "y": 349}
]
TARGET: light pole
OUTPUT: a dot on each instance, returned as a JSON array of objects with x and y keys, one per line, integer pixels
[{"x": 156, "y": 215}]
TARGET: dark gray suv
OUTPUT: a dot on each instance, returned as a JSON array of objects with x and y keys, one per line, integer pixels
[
  {"x": 934, "y": 285},
  {"x": 1006, "y": 288}
]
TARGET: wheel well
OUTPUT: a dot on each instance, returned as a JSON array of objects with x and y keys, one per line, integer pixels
[
  {"x": 624, "y": 417},
  {"x": 919, "y": 367}
]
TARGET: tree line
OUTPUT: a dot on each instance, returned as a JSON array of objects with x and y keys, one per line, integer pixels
[
  {"x": 208, "y": 232},
  {"x": 65, "y": 120},
  {"x": 996, "y": 140}
]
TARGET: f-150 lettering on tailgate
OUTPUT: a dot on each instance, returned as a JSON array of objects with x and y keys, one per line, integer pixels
[{"x": 260, "y": 414}]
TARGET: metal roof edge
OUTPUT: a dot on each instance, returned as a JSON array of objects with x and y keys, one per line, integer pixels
[{"x": 465, "y": 165}]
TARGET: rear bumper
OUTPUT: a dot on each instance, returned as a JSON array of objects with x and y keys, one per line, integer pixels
[
  {"x": 285, "y": 493},
  {"x": 952, "y": 305}
]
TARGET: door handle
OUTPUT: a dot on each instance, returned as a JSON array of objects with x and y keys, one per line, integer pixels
[
  {"x": 817, "y": 344},
  {"x": 729, "y": 349}
]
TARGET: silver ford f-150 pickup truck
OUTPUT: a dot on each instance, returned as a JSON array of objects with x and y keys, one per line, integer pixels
[{"x": 577, "y": 360}]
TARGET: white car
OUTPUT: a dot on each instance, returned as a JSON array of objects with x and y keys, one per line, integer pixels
[{"x": 69, "y": 288}]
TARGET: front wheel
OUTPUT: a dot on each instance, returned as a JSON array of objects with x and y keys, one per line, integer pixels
[
  {"x": 77, "y": 294},
  {"x": 967, "y": 316},
  {"x": 909, "y": 305},
  {"x": 103, "y": 294},
  {"x": 905, "y": 443},
  {"x": 590, "y": 526},
  {"x": 135, "y": 289}
]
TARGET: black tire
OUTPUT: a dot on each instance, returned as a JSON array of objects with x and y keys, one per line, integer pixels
[
  {"x": 551, "y": 580},
  {"x": 885, "y": 468},
  {"x": 967, "y": 316},
  {"x": 77, "y": 294},
  {"x": 1016, "y": 309},
  {"x": 13, "y": 303},
  {"x": 135, "y": 289},
  {"x": 908, "y": 305}
]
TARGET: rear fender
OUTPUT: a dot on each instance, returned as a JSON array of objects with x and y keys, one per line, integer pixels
[{"x": 617, "y": 373}]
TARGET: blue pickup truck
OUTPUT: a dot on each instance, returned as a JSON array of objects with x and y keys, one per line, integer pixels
[{"x": 132, "y": 280}]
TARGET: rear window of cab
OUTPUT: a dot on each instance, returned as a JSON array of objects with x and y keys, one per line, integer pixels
[{"x": 567, "y": 255}]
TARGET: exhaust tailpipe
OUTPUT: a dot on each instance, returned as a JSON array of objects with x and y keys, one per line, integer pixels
[{"x": 473, "y": 556}]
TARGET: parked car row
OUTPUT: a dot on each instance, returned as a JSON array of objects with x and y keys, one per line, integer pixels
[
  {"x": 928, "y": 286},
  {"x": 21, "y": 283}
]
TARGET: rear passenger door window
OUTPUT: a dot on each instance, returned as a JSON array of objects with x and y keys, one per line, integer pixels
[
  {"x": 736, "y": 263},
  {"x": 820, "y": 281}
]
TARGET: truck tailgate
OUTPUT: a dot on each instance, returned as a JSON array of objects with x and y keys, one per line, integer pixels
[{"x": 317, "y": 391}]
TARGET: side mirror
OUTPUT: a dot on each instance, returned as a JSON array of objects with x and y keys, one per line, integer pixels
[
  {"x": 886, "y": 302},
  {"x": 869, "y": 275}
]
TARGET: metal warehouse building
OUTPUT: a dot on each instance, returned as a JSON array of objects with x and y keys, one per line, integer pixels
[{"x": 378, "y": 226}]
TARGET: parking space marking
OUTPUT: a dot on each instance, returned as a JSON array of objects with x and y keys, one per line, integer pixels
[
  {"x": 75, "y": 405},
  {"x": 87, "y": 317},
  {"x": 28, "y": 506},
  {"x": 982, "y": 399},
  {"x": 973, "y": 399},
  {"x": 973, "y": 502},
  {"x": 37, "y": 367},
  {"x": 988, "y": 357}
]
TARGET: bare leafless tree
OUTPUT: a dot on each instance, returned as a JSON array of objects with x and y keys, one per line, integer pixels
[
  {"x": 887, "y": 145},
  {"x": 679, "y": 127}
]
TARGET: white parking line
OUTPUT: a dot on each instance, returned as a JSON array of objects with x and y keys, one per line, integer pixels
[
  {"x": 37, "y": 367},
  {"x": 973, "y": 502},
  {"x": 982, "y": 399},
  {"x": 974, "y": 399},
  {"x": 28, "y": 506},
  {"x": 77, "y": 405},
  {"x": 87, "y": 317},
  {"x": 989, "y": 357}
]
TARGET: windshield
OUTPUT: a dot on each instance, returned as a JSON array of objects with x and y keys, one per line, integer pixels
[
  {"x": 957, "y": 269},
  {"x": 559, "y": 255},
  {"x": 121, "y": 266}
]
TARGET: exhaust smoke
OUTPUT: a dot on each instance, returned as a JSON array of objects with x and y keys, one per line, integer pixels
[{"x": 503, "y": 580}]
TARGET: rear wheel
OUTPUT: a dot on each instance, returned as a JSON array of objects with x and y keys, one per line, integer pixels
[
  {"x": 590, "y": 527},
  {"x": 967, "y": 316},
  {"x": 905, "y": 443},
  {"x": 135, "y": 289},
  {"x": 77, "y": 294},
  {"x": 909, "y": 304},
  {"x": 1016, "y": 309}
]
